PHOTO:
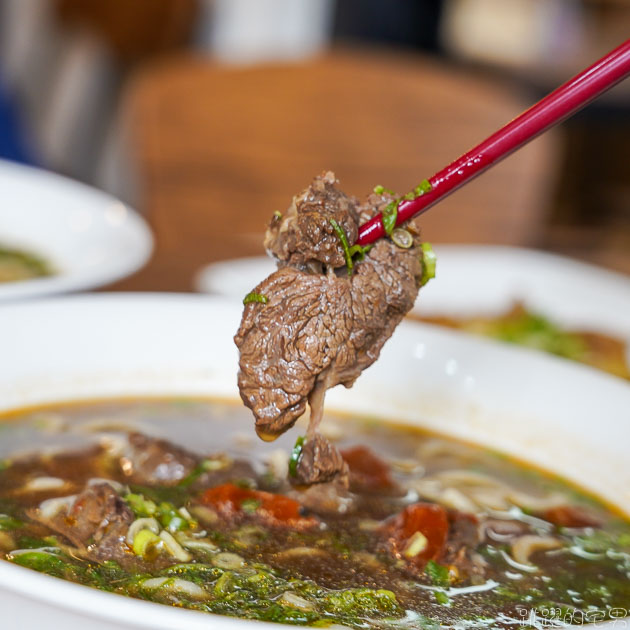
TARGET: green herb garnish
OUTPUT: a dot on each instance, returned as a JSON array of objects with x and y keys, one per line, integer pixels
[
  {"x": 389, "y": 216},
  {"x": 421, "y": 189},
  {"x": 255, "y": 297},
  {"x": 8, "y": 523},
  {"x": 442, "y": 598},
  {"x": 428, "y": 263},
  {"x": 250, "y": 505},
  {"x": 141, "y": 506},
  {"x": 380, "y": 190},
  {"x": 359, "y": 251},
  {"x": 390, "y": 213},
  {"x": 438, "y": 573},
  {"x": 295, "y": 455},
  {"x": 341, "y": 235}
]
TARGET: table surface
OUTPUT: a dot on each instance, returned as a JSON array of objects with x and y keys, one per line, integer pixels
[{"x": 217, "y": 149}]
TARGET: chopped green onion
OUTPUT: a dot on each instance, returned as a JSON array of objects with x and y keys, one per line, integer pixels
[
  {"x": 8, "y": 523},
  {"x": 143, "y": 541},
  {"x": 416, "y": 544},
  {"x": 379, "y": 190},
  {"x": 255, "y": 297},
  {"x": 423, "y": 187},
  {"x": 624, "y": 540},
  {"x": 359, "y": 251},
  {"x": 438, "y": 573},
  {"x": 250, "y": 505},
  {"x": 428, "y": 263},
  {"x": 389, "y": 216},
  {"x": 170, "y": 518},
  {"x": 277, "y": 215},
  {"x": 140, "y": 505},
  {"x": 341, "y": 235},
  {"x": 442, "y": 598},
  {"x": 402, "y": 238},
  {"x": 295, "y": 455},
  {"x": 224, "y": 584}
]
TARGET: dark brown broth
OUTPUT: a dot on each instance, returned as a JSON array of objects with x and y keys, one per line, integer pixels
[{"x": 350, "y": 555}]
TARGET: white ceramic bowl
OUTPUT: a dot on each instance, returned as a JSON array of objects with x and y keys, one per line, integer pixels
[
  {"x": 566, "y": 418},
  {"x": 89, "y": 238}
]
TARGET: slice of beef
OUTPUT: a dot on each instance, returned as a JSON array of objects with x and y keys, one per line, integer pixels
[
  {"x": 305, "y": 233},
  {"x": 96, "y": 521},
  {"x": 151, "y": 461},
  {"x": 320, "y": 461},
  {"x": 288, "y": 342},
  {"x": 319, "y": 326}
]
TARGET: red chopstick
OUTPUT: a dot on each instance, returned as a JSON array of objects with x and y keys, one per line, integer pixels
[{"x": 554, "y": 108}]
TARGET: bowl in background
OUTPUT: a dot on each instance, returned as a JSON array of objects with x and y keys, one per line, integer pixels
[
  {"x": 88, "y": 237},
  {"x": 483, "y": 280}
]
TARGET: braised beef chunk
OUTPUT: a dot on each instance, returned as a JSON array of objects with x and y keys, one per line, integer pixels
[
  {"x": 152, "y": 461},
  {"x": 288, "y": 342},
  {"x": 320, "y": 326},
  {"x": 319, "y": 462},
  {"x": 96, "y": 520},
  {"x": 305, "y": 234}
]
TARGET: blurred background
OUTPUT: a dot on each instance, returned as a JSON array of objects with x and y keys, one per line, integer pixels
[{"x": 208, "y": 115}]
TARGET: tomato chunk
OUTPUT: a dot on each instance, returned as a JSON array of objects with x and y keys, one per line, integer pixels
[
  {"x": 231, "y": 501},
  {"x": 368, "y": 473},
  {"x": 571, "y": 516},
  {"x": 418, "y": 534}
]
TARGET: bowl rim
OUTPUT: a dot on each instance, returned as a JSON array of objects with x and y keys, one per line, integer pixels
[{"x": 127, "y": 225}]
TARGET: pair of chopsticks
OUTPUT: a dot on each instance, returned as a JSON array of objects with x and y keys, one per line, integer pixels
[{"x": 551, "y": 110}]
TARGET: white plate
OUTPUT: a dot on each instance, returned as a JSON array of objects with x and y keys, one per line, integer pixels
[
  {"x": 88, "y": 237},
  {"x": 561, "y": 416},
  {"x": 480, "y": 279}
]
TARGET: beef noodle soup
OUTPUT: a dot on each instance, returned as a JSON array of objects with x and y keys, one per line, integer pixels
[{"x": 430, "y": 532}]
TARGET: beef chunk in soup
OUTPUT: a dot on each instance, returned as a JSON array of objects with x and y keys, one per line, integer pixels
[
  {"x": 317, "y": 325},
  {"x": 319, "y": 462},
  {"x": 96, "y": 520},
  {"x": 152, "y": 461}
]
